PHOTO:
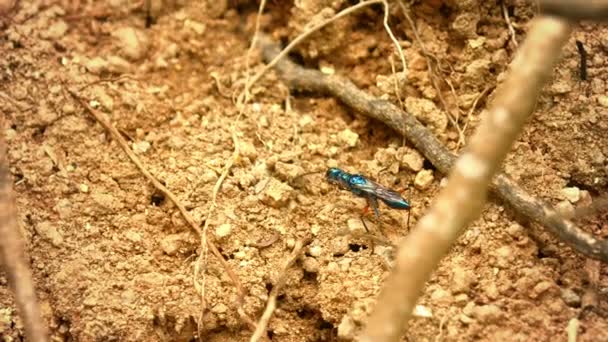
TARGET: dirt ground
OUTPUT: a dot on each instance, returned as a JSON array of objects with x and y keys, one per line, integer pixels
[{"x": 113, "y": 259}]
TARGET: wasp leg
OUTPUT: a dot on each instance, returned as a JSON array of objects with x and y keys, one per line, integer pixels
[{"x": 373, "y": 202}]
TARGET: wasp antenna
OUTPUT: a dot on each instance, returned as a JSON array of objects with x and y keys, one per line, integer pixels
[{"x": 298, "y": 177}]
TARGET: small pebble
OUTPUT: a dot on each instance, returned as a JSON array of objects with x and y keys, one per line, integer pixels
[
  {"x": 423, "y": 179},
  {"x": 55, "y": 31},
  {"x": 118, "y": 65},
  {"x": 140, "y": 147},
  {"x": 488, "y": 313},
  {"x": 274, "y": 192},
  {"x": 311, "y": 265},
  {"x": 462, "y": 280},
  {"x": 172, "y": 243},
  {"x": 347, "y": 328},
  {"x": 565, "y": 208},
  {"x": 348, "y": 138},
  {"x": 355, "y": 227},
  {"x": 288, "y": 171},
  {"x": 223, "y": 230},
  {"x": 247, "y": 150},
  {"x": 572, "y": 194},
  {"x": 315, "y": 251},
  {"x": 571, "y": 298},
  {"x": 96, "y": 65},
  {"x": 541, "y": 288},
  {"x": 602, "y": 100},
  {"x": 133, "y": 42},
  {"x": 412, "y": 161},
  {"x": 49, "y": 233}
]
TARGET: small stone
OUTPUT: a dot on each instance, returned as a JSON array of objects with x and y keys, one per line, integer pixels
[
  {"x": 541, "y": 288},
  {"x": 565, "y": 209},
  {"x": 504, "y": 257},
  {"x": 515, "y": 230},
  {"x": 134, "y": 43},
  {"x": 197, "y": 27},
  {"x": 49, "y": 232},
  {"x": 219, "y": 308},
  {"x": 560, "y": 87},
  {"x": 141, "y": 147},
  {"x": 466, "y": 319},
  {"x": 423, "y": 179},
  {"x": 172, "y": 243},
  {"x": 315, "y": 251},
  {"x": 133, "y": 236},
  {"x": 602, "y": 100},
  {"x": 441, "y": 296},
  {"x": 356, "y": 227},
  {"x": 55, "y": 31},
  {"x": 106, "y": 202},
  {"x": 68, "y": 108},
  {"x": 311, "y": 265},
  {"x": 347, "y": 328},
  {"x": 306, "y": 123},
  {"x": 571, "y": 298},
  {"x": 118, "y": 65},
  {"x": 83, "y": 188},
  {"x": 488, "y": 313},
  {"x": 572, "y": 194},
  {"x": 412, "y": 161},
  {"x": 462, "y": 280},
  {"x": 426, "y": 111},
  {"x": 275, "y": 193},
  {"x": 422, "y": 311},
  {"x": 96, "y": 65},
  {"x": 247, "y": 150},
  {"x": 288, "y": 171},
  {"x": 223, "y": 230},
  {"x": 348, "y": 138}
]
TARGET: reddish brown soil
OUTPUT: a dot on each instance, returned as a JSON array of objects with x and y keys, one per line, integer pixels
[{"x": 113, "y": 260}]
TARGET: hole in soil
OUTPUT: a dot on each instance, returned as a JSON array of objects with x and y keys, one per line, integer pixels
[
  {"x": 427, "y": 165},
  {"x": 18, "y": 177},
  {"x": 325, "y": 325},
  {"x": 269, "y": 287},
  {"x": 280, "y": 298},
  {"x": 305, "y": 313},
  {"x": 270, "y": 334},
  {"x": 356, "y": 247},
  {"x": 310, "y": 276},
  {"x": 157, "y": 199}
]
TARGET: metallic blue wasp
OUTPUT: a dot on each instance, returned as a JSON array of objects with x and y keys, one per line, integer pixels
[{"x": 372, "y": 191}]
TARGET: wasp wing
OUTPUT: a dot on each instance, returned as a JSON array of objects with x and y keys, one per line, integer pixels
[{"x": 390, "y": 197}]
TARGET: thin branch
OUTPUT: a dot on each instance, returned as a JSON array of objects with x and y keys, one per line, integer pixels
[
  {"x": 503, "y": 187},
  {"x": 505, "y": 14},
  {"x": 276, "y": 289},
  {"x": 322, "y": 24},
  {"x": 576, "y": 9},
  {"x": 13, "y": 258},
  {"x": 461, "y": 201},
  {"x": 125, "y": 147}
]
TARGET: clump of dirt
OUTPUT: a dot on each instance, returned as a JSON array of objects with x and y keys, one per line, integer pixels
[{"x": 112, "y": 257}]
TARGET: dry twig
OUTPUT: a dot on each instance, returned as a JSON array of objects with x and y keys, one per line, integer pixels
[
  {"x": 123, "y": 144},
  {"x": 576, "y": 9},
  {"x": 519, "y": 101},
  {"x": 320, "y": 25},
  {"x": 505, "y": 14},
  {"x": 13, "y": 258},
  {"x": 504, "y": 187},
  {"x": 272, "y": 298},
  {"x": 462, "y": 200}
]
